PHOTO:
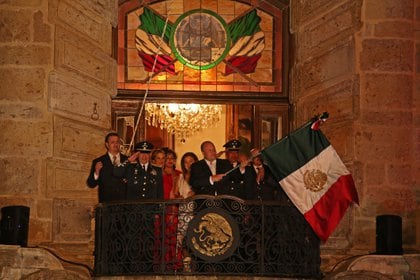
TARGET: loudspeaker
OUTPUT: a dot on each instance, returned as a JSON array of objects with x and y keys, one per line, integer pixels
[
  {"x": 14, "y": 225},
  {"x": 389, "y": 235}
]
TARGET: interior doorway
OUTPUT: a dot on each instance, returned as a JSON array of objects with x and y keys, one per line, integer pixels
[{"x": 256, "y": 126}]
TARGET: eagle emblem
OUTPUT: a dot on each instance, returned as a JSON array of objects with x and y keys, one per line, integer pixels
[
  {"x": 200, "y": 39},
  {"x": 314, "y": 180}
]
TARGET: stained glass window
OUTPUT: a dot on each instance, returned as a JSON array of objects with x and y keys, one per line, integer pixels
[{"x": 201, "y": 45}]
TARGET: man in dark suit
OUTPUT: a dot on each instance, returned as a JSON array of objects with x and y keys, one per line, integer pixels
[
  {"x": 110, "y": 188},
  {"x": 144, "y": 180},
  {"x": 260, "y": 182},
  {"x": 210, "y": 175}
]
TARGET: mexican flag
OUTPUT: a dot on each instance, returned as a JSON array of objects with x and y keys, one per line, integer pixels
[
  {"x": 247, "y": 44},
  {"x": 313, "y": 176},
  {"x": 151, "y": 45}
]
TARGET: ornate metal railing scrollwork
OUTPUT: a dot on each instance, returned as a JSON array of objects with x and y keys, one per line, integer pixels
[{"x": 205, "y": 235}]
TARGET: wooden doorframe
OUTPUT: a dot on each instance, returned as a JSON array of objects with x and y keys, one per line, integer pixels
[{"x": 260, "y": 111}]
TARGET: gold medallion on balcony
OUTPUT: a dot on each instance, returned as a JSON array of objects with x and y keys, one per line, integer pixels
[{"x": 213, "y": 235}]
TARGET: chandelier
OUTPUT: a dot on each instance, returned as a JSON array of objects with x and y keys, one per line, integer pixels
[{"x": 182, "y": 120}]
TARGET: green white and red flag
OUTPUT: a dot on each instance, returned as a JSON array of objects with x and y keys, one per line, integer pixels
[
  {"x": 313, "y": 176},
  {"x": 247, "y": 43},
  {"x": 152, "y": 45}
]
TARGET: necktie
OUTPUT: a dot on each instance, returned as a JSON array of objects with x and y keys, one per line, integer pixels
[
  {"x": 114, "y": 160},
  {"x": 260, "y": 174},
  {"x": 213, "y": 167},
  {"x": 143, "y": 167}
]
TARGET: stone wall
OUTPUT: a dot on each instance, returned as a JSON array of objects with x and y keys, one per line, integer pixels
[
  {"x": 355, "y": 59},
  {"x": 416, "y": 123},
  {"x": 36, "y": 263},
  {"x": 385, "y": 134},
  {"x": 55, "y": 64}
]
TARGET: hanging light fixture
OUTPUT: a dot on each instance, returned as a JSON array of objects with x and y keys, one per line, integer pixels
[{"x": 182, "y": 120}]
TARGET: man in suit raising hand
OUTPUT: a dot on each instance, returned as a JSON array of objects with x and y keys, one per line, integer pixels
[{"x": 110, "y": 188}]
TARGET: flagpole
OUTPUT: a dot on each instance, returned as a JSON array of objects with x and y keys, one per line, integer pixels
[
  {"x": 239, "y": 165},
  {"x": 149, "y": 81}
]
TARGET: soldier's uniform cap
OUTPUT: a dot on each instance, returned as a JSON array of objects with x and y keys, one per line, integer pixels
[
  {"x": 232, "y": 145},
  {"x": 143, "y": 147}
]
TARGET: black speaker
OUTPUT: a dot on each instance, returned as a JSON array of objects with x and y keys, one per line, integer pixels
[
  {"x": 389, "y": 235},
  {"x": 14, "y": 225}
]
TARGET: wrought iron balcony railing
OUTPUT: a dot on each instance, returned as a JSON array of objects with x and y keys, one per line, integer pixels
[{"x": 205, "y": 235}]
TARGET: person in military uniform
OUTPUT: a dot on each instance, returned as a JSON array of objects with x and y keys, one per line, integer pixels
[
  {"x": 235, "y": 185},
  {"x": 214, "y": 176},
  {"x": 232, "y": 151},
  {"x": 110, "y": 188},
  {"x": 144, "y": 181}
]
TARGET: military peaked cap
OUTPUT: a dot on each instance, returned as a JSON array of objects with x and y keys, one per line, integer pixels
[
  {"x": 232, "y": 145},
  {"x": 143, "y": 147}
]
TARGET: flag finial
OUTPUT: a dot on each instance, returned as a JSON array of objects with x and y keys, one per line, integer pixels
[{"x": 317, "y": 120}]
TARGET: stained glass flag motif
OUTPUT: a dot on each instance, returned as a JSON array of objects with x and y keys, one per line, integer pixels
[
  {"x": 247, "y": 43},
  {"x": 245, "y": 49},
  {"x": 150, "y": 43},
  {"x": 313, "y": 176}
]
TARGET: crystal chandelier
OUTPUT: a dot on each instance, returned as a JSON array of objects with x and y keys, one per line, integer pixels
[{"x": 182, "y": 120}]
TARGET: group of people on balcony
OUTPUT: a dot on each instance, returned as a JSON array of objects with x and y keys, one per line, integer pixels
[{"x": 150, "y": 173}]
